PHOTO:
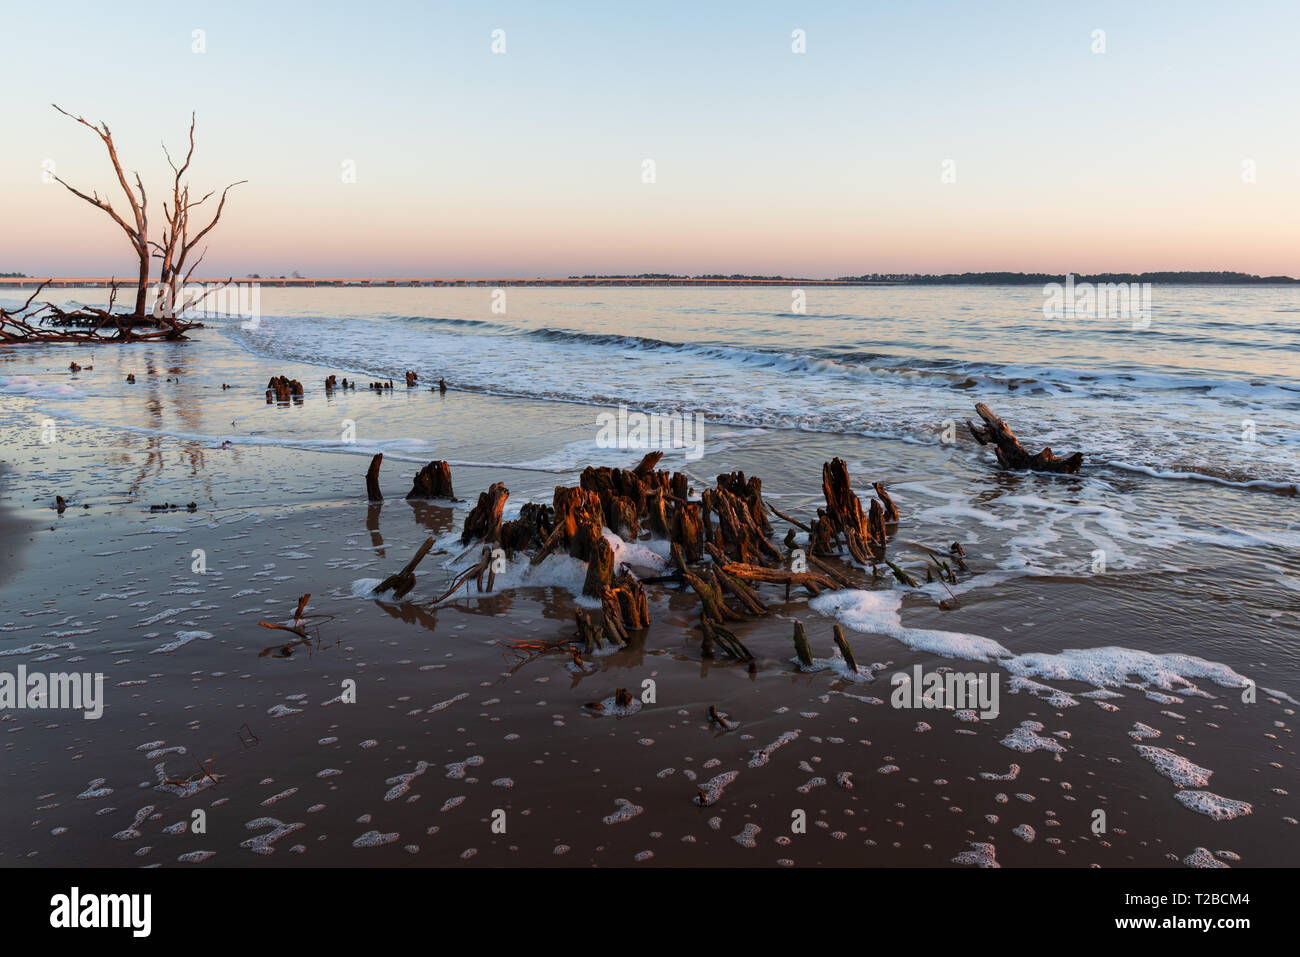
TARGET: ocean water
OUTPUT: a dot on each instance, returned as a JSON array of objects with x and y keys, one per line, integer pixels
[
  {"x": 1211, "y": 388},
  {"x": 1143, "y": 593}
]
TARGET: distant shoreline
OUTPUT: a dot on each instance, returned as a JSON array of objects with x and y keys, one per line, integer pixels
[{"x": 652, "y": 279}]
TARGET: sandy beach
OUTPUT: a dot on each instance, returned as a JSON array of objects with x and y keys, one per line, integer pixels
[{"x": 459, "y": 751}]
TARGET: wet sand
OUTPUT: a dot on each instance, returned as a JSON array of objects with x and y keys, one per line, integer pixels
[{"x": 449, "y": 729}]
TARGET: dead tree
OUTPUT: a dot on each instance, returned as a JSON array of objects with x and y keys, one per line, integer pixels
[
  {"x": 1008, "y": 449},
  {"x": 137, "y": 231},
  {"x": 178, "y": 242}
]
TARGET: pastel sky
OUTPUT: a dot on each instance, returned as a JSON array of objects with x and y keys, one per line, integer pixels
[{"x": 530, "y": 162}]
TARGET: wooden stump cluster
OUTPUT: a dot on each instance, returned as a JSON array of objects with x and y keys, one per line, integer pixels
[
  {"x": 720, "y": 542},
  {"x": 282, "y": 389}
]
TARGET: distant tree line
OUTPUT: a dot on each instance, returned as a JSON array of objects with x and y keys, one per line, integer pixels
[{"x": 1222, "y": 278}]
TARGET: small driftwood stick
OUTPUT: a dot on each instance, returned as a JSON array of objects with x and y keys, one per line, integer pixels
[
  {"x": 403, "y": 581},
  {"x": 717, "y": 719},
  {"x": 780, "y": 514}
]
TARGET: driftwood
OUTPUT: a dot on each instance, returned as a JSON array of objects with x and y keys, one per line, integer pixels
[
  {"x": 403, "y": 581},
  {"x": 719, "y": 720},
  {"x": 372, "y": 478},
  {"x": 715, "y": 636},
  {"x": 812, "y": 581},
  {"x": 432, "y": 481},
  {"x": 298, "y": 628},
  {"x": 1009, "y": 452},
  {"x": 49, "y": 323},
  {"x": 475, "y": 571}
]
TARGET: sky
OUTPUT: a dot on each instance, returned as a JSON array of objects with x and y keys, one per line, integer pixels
[{"x": 389, "y": 138}]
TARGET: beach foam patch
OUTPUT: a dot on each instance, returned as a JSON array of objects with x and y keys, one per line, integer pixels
[{"x": 877, "y": 612}]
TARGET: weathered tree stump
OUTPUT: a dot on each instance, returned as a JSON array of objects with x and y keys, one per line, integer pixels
[
  {"x": 432, "y": 481},
  {"x": 620, "y": 515},
  {"x": 590, "y": 632},
  {"x": 846, "y": 649},
  {"x": 484, "y": 521},
  {"x": 530, "y": 529},
  {"x": 738, "y": 532},
  {"x": 801, "y": 647},
  {"x": 750, "y": 492},
  {"x": 647, "y": 464},
  {"x": 1009, "y": 452},
  {"x": 625, "y": 600},
  {"x": 372, "y": 478},
  {"x": 600, "y": 569},
  {"x": 688, "y": 530},
  {"x": 843, "y": 516}
]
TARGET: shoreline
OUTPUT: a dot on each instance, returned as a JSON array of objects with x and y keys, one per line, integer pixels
[{"x": 433, "y": 686}]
